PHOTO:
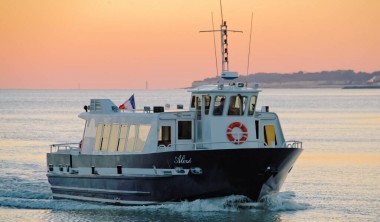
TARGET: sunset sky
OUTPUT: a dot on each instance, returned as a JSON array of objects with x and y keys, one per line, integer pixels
[{"x": 121, "y": 44}]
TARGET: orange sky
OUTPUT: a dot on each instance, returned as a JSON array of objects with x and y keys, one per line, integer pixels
[{"x": 121, "y": 44}]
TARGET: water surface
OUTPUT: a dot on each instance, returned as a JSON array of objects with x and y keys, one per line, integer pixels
[{"x": 335, "y": 179}]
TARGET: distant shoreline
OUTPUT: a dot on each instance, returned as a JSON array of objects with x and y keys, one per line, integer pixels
[
  {"x": 362, "y": 87},
  {"x": 324, "y": 79}
]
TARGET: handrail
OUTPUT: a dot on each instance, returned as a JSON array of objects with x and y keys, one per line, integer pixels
[
  {"x": 292, "y": 144},
  {"x": 64, "y": 147},
  {"x": 68, "y": 147},
  {"x": 199, "y": 145},
  {"x": 196, "y": 145}
]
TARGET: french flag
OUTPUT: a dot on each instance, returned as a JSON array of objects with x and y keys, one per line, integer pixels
[{"x": 129, "y": 104}]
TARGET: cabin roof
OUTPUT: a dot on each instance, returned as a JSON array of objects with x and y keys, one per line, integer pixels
[{"x": 240, "y": 87}]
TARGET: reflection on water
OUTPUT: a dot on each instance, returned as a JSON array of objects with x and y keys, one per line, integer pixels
[{"x": 340, "y": 159}]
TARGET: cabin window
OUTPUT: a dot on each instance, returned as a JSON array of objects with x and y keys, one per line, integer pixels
[
  {"x": 131, "y": 138},
  {"x": 270, "y": 135},
  {"x": 207, "y": 100},
  {"x": 106, "y": 135},
  {"x": 237, "y": 105},
  {"x": 143, "y": 132},
  {"x": 219, "y": 105},
  {"x": 122, "y": 138},
  {"x": 164, "y": 136},
  {"x": 184, "y": 130},
  {"x": 98, "y": 139},
  {"x": 252, "y": 105},
  {"x": 196, "y": 102},
  {"x": 114, "y": 138}
]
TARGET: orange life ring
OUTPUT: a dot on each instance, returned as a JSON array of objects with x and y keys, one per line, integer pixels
[{"x": 243, "y": 128}]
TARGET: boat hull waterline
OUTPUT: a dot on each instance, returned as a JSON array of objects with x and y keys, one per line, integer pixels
[{"x": 143, "y": 179}]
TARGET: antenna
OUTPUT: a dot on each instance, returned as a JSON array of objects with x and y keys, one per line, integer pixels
[
  {"x": 221, "y": 11},
  {"x": 249, "y": 47},
  {"x": 216, "y": 58}
]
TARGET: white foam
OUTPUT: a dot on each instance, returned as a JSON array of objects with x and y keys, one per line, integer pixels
[
  {"x": 25, "y": 194},
  {"x": 51, "y": 204},
  {"x": 282, "y": 201},
  {"x": 208, "y": 205}
]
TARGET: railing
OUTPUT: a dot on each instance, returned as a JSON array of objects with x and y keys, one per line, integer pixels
[
  {"x": 64, "y": 147},
  {"x": 203, "y": 145},
  {"x": 292, "y": 144},
  {"x": 195, "y": 146},
  {"x": 68, "y": 147}
]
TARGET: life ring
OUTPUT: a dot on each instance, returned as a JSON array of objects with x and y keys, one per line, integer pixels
[{"x": 243, "y": 128}]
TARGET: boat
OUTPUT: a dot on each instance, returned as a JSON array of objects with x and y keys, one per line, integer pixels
[
  {"x": 221, "y": 145},
  {"x": 373, "y": 83}
]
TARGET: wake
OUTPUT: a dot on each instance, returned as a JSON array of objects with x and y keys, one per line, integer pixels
[{"x": 282, "y": 201}]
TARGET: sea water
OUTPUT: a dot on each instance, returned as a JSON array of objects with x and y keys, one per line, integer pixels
[{"x": 336, "y": 178}]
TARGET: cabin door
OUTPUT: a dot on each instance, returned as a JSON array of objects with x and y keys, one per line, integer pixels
[{"x": 166, "y": 134}]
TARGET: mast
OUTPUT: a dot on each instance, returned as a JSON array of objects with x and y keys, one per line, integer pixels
[
  {"x": 226, "y": 74},
  {"x": 224, "y": 47}
]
